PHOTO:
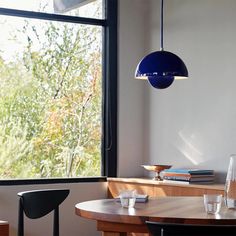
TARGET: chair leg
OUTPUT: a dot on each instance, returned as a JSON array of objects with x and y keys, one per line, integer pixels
[
  {"x": 20, "y": 219},
  {"x": 56, "y": 222}
]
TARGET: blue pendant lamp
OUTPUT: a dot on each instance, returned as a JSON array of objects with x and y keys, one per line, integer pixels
[{"x": 160, "y": 68}]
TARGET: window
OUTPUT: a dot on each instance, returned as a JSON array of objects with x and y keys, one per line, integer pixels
[{"x": 58, "y": 89}]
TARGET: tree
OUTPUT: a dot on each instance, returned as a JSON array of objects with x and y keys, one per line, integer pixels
[{"x": 54, "y": 103}]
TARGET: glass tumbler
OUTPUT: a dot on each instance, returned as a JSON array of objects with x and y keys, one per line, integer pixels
[
  {"x": 128, "y": 198},
  {"x": 212, "y": 203}
]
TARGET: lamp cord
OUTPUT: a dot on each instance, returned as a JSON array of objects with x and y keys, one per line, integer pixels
[{"x": 161, "y": 25}]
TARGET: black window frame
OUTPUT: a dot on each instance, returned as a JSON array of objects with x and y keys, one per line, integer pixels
[{"x": 109, "y": 88}]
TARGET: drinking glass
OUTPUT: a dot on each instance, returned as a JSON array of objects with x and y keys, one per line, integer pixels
[
  {"x": 212, "y": 203},
  {"x": 128, "y": 198}
]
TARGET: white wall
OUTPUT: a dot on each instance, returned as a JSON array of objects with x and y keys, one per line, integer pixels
[
  {"x": 70, "y": 224},
  {"x": 133, "y": 35},
  {"x": 193, "y": 123}
]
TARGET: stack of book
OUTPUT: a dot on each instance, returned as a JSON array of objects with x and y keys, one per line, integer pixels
[{"x": 188, "y": 176}]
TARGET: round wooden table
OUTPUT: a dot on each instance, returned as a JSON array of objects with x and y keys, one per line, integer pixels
[{"x": 114, "y": 220}]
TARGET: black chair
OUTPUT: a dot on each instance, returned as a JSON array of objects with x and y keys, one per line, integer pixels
[
  {"x": 177, "y": 229},
  {"x": 38, "y": 203}
]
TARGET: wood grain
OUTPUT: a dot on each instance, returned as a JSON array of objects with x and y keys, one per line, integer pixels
[
  {"x": 4, "y": 228},
  {"x": 113, "y": 234},
  {"x": 112, "y": 218},
  {"x": 121, "y": 227},
  {"x": 158, "y": 188},
  {"x": 175, "y": 209},
  {"x": 114, "y": 188}
]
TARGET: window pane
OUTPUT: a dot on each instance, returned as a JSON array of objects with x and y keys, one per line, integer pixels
[
  {"x": 50, "y": 99},
  {"x": 83, "y": 8}
]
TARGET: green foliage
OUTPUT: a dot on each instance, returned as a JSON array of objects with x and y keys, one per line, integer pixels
[
  {"x": 50, "y": 103},
  {"x": 14, "y": 149}
]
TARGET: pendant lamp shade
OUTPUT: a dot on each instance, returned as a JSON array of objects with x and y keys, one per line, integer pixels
[{"x": 161, "y": 68}]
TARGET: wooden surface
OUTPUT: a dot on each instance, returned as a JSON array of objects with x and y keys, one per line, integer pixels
[
  {"x": 158, "y": 188},
  {"x": 4, "y": 228},
  {"x": 112, "y": 219}
]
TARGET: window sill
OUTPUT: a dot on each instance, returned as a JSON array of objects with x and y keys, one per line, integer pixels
[{"x": 52, "y": 181}]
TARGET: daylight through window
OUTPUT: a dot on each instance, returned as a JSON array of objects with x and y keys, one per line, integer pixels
[{"x": 50, "y": 93}]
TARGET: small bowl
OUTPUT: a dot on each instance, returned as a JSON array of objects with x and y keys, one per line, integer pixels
[{"x": 157, "y": 169}]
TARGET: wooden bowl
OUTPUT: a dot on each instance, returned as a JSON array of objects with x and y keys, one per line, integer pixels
[{"x": 157, "y": 169}]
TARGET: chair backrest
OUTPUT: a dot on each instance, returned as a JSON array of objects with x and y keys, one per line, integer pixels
[
  {"x": 177, "y": 229},
  {"x": 38, "y": 203}
]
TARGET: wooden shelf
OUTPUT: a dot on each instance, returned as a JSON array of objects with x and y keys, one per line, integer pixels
[{"x": 158, "y": 188}]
